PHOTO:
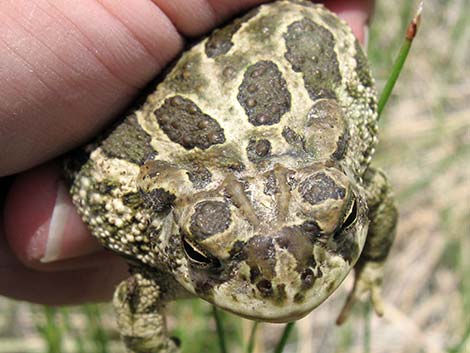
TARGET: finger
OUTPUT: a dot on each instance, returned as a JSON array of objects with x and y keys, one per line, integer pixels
[
  {"x": 62, "y": 288},
  {"x": 95, "y": 283},
  {"x": 72, "y": 279},
  {"x": 68, "y": 69},
  {"x": 193, "y": 18},
  {"x": 42, "y": 225},
  {"x": 356, "y": 13}
]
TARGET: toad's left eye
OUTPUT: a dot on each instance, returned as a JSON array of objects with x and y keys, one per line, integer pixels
[{"x": 351, "y": 216}]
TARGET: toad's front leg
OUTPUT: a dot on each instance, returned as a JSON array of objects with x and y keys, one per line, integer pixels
[
  {"x": 369, "y": 269},
  {"x": 139, "y": 303}
]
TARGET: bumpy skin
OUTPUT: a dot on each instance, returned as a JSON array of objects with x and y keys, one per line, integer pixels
[{"x": 244, "y": 178}]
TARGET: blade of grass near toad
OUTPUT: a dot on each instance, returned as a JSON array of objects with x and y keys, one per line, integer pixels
[
  {"x": 96, "y": 330},
  {"x": 251, "y": 341},
  {"x": 220, "y": 330},
  {"x": 47, "y": 327},
  {"x": 285, "y": 335},
  {"x": 76, "y": 334},
  {"x": 400, "y": 61}
]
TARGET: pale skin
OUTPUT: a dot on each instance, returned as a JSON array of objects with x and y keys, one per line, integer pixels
[{"x": 70, "y": 70}]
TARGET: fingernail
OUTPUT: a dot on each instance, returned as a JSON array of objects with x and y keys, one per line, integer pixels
[
  {"x": 67, "y": 237},
  {"x": 57, "y": 224}
]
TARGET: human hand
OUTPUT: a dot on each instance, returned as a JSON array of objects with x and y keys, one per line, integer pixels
[{"x": 67, "y": 69}]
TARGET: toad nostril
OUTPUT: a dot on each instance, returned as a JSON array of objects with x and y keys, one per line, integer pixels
[
  {"x": 265, "y": 287},
  {"x": 254, "y": 273},
  {"x": 308, "y": 278}
]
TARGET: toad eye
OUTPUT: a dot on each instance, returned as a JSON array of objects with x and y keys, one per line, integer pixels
[
  {"x": 350, "y": 216},
  {"x": 197, "y": 257}
]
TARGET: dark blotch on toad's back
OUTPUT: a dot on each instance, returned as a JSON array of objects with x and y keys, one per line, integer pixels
[
  {"x": 184, "y": 123},
  {"x": 310, "y": 50},
  {"x": 220, "y": 41},
  {"x": 264, "y": 94},
  {"x": 129, "y": 141}
]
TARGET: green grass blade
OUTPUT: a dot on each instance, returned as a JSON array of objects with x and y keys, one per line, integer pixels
[
  {"x": 77, "y": 337},
  {"x": 220, "y": 329},
  {"x": 251, "y": 341},
  {"x": 285, "y": 335},
  {"x": 50, "y": 330},
  {"x": 97, "y": 332},
  {"x": 400, "y": 61}
]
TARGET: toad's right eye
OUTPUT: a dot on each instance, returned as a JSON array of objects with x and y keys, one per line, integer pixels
[
  {"x": 198, "y": 257},
  {"x": 194, "y": 254}
]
